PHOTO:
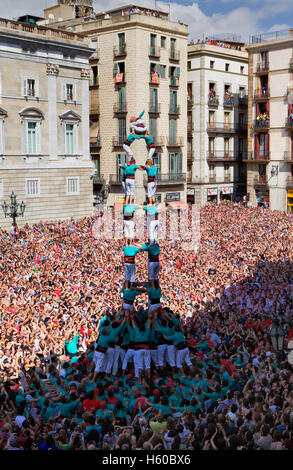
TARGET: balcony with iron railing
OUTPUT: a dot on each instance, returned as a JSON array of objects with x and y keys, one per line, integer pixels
[
  {"x": 243, "y": 101},
  {"x": 169, "y": 178},
  {"x": 120, "y": 79},
  {"x": 174, "y": 55},
  {"x": 154, "y": 108},
  {"x": 213, "y": 99},
  {"x": 95, "y": 145},
  {"x": 174, "y": 109},
  {"x": 222, "y": 155},
  {"x": 120, "y": 51},
  {"x": 212, "y": 179},
  {"x": 262, "y": 67},
  {"x": 228, "y": 101},
  {"x": 115, "y": 179},
  {"x": 259, "y": 181},
  {"x": 154, "y": 78},
  {"x": 263, "y": 156},
  {"x": 94, "y": 57},
  {"x": 189, "y": 100},
  {"x": 159, "y": 141},
  {"x": 118, "y": 141},
  {"x": 221, "y": 127},
  {"x": 261, "y": 125},
  {"x": 288, "y": 156},
  {"x": 261, "y": 95},
  {"x": 155, "y": 52},
  {"x": 94, "y": 82},
  {"x": 175, "y": 142},
  {"x": 174, "y": 81},
  {"x": 120, "y": 108},
  {"x": 98, "y": 178}
]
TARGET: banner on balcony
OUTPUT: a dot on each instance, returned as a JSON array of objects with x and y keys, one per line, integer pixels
[
  {"x": 170, "y": 197},
  {"x": 155, "y": 78},
  {"x": 212, "y": 191},
  {"x": 119, "y": 77},
  {"x": 228, "y": 190}
]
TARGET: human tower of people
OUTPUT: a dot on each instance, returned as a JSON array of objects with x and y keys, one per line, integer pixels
[{"x": 153, "y": 335}]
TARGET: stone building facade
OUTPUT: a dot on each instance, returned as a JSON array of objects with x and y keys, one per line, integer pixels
[
  {"x": 139, "y": 63},
  {"x": 44, "y": 122}
]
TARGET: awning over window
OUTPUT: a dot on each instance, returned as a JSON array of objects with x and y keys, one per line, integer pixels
[{"x": 94, "y": 132}]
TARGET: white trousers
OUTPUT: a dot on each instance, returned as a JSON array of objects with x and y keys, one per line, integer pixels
[
  {"x": 171, "y": 355},
  {"x": 129, "y": 357},
  {"x": 152, "y": 228},
  {"x": 152, "y": 187},
  {"x": 129, "y": 186},
  {"x": 154, "y": 356},
  {"x": 142, "y": 360},
  {"x": 182, "y": 355},
  {"x": 99, "y": 361},
  {"x": 161, "y": 354},
  {"x": 128, "y": 307},
  {"x": 119, "y": 354},
  {"x": 153, "y": 307},
  {"x": 154, "y": 270},
  {"x": 128, "y": 228},
  {"x": 109, "y": 358},
  {"x": 129, "y": 269}
]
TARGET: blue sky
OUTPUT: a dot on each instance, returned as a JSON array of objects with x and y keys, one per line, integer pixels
[{"x": 241, "y": 17}]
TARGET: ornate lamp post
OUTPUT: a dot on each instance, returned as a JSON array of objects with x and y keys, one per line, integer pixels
[{"x": 13, "y": 209}]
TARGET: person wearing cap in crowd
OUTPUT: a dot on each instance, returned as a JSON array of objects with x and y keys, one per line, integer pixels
[{"x": 138, "y": 130}]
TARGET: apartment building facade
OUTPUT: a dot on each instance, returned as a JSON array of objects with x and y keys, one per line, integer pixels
[
  {"x": 217, "y": 88},
  {"x": 270, "y": 143},
  {"x": 139, "y": 63},
  {"x": 44, "y": 122}
]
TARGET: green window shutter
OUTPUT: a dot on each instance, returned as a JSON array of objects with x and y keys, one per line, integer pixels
[
  {"x": 179, "y": 163},
  {"x": 177, "y": 72},
  {"x": 116, "y": 69}
]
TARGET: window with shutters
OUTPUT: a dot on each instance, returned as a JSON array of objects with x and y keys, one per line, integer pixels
[
  {"x": 173, "y": 102},
  {"x": 31, "y": 119},
  {"x": 212, "y": 172},
  {"x": 175, "y": 164},
  {"x": 69, "y": 139},
  {"x": 69, "y": 92},
  {"x": 153, "y": 128},
  {"x": 172, "y": 131},
  {"x": 153, "y": 100},
  {"x": 157, "y": 161},
  {"x": 121, "y": 39},
  {"x": 121, "y": 130},
  {"x": 30, "y": 88},
  {"x": 119, "y": 72},
  {"x": 72, "y": 184},
  {"x": 33, "y": 187}
]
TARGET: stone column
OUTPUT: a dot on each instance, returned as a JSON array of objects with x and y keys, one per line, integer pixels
[
  {"x": 52, "y": 72},
  {"x": 85, "y": 76}
]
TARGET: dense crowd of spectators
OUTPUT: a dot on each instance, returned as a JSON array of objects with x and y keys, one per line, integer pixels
[
  {"x": 219, "y": 43},
  {"x": 57, "y": 282}
]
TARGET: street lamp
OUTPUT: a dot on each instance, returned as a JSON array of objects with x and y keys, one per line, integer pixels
[
  {"x": 277, "y": 335},
  {"x": 13, "y": 209}
]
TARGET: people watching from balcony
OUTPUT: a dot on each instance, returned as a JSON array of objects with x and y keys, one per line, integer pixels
[{"x": 262, "y": 119}]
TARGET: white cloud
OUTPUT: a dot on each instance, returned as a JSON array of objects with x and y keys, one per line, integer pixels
[{"x": 243, "y": 20}]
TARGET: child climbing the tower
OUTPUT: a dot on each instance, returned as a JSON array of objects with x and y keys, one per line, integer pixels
[{"x": 138, "y": 130}]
